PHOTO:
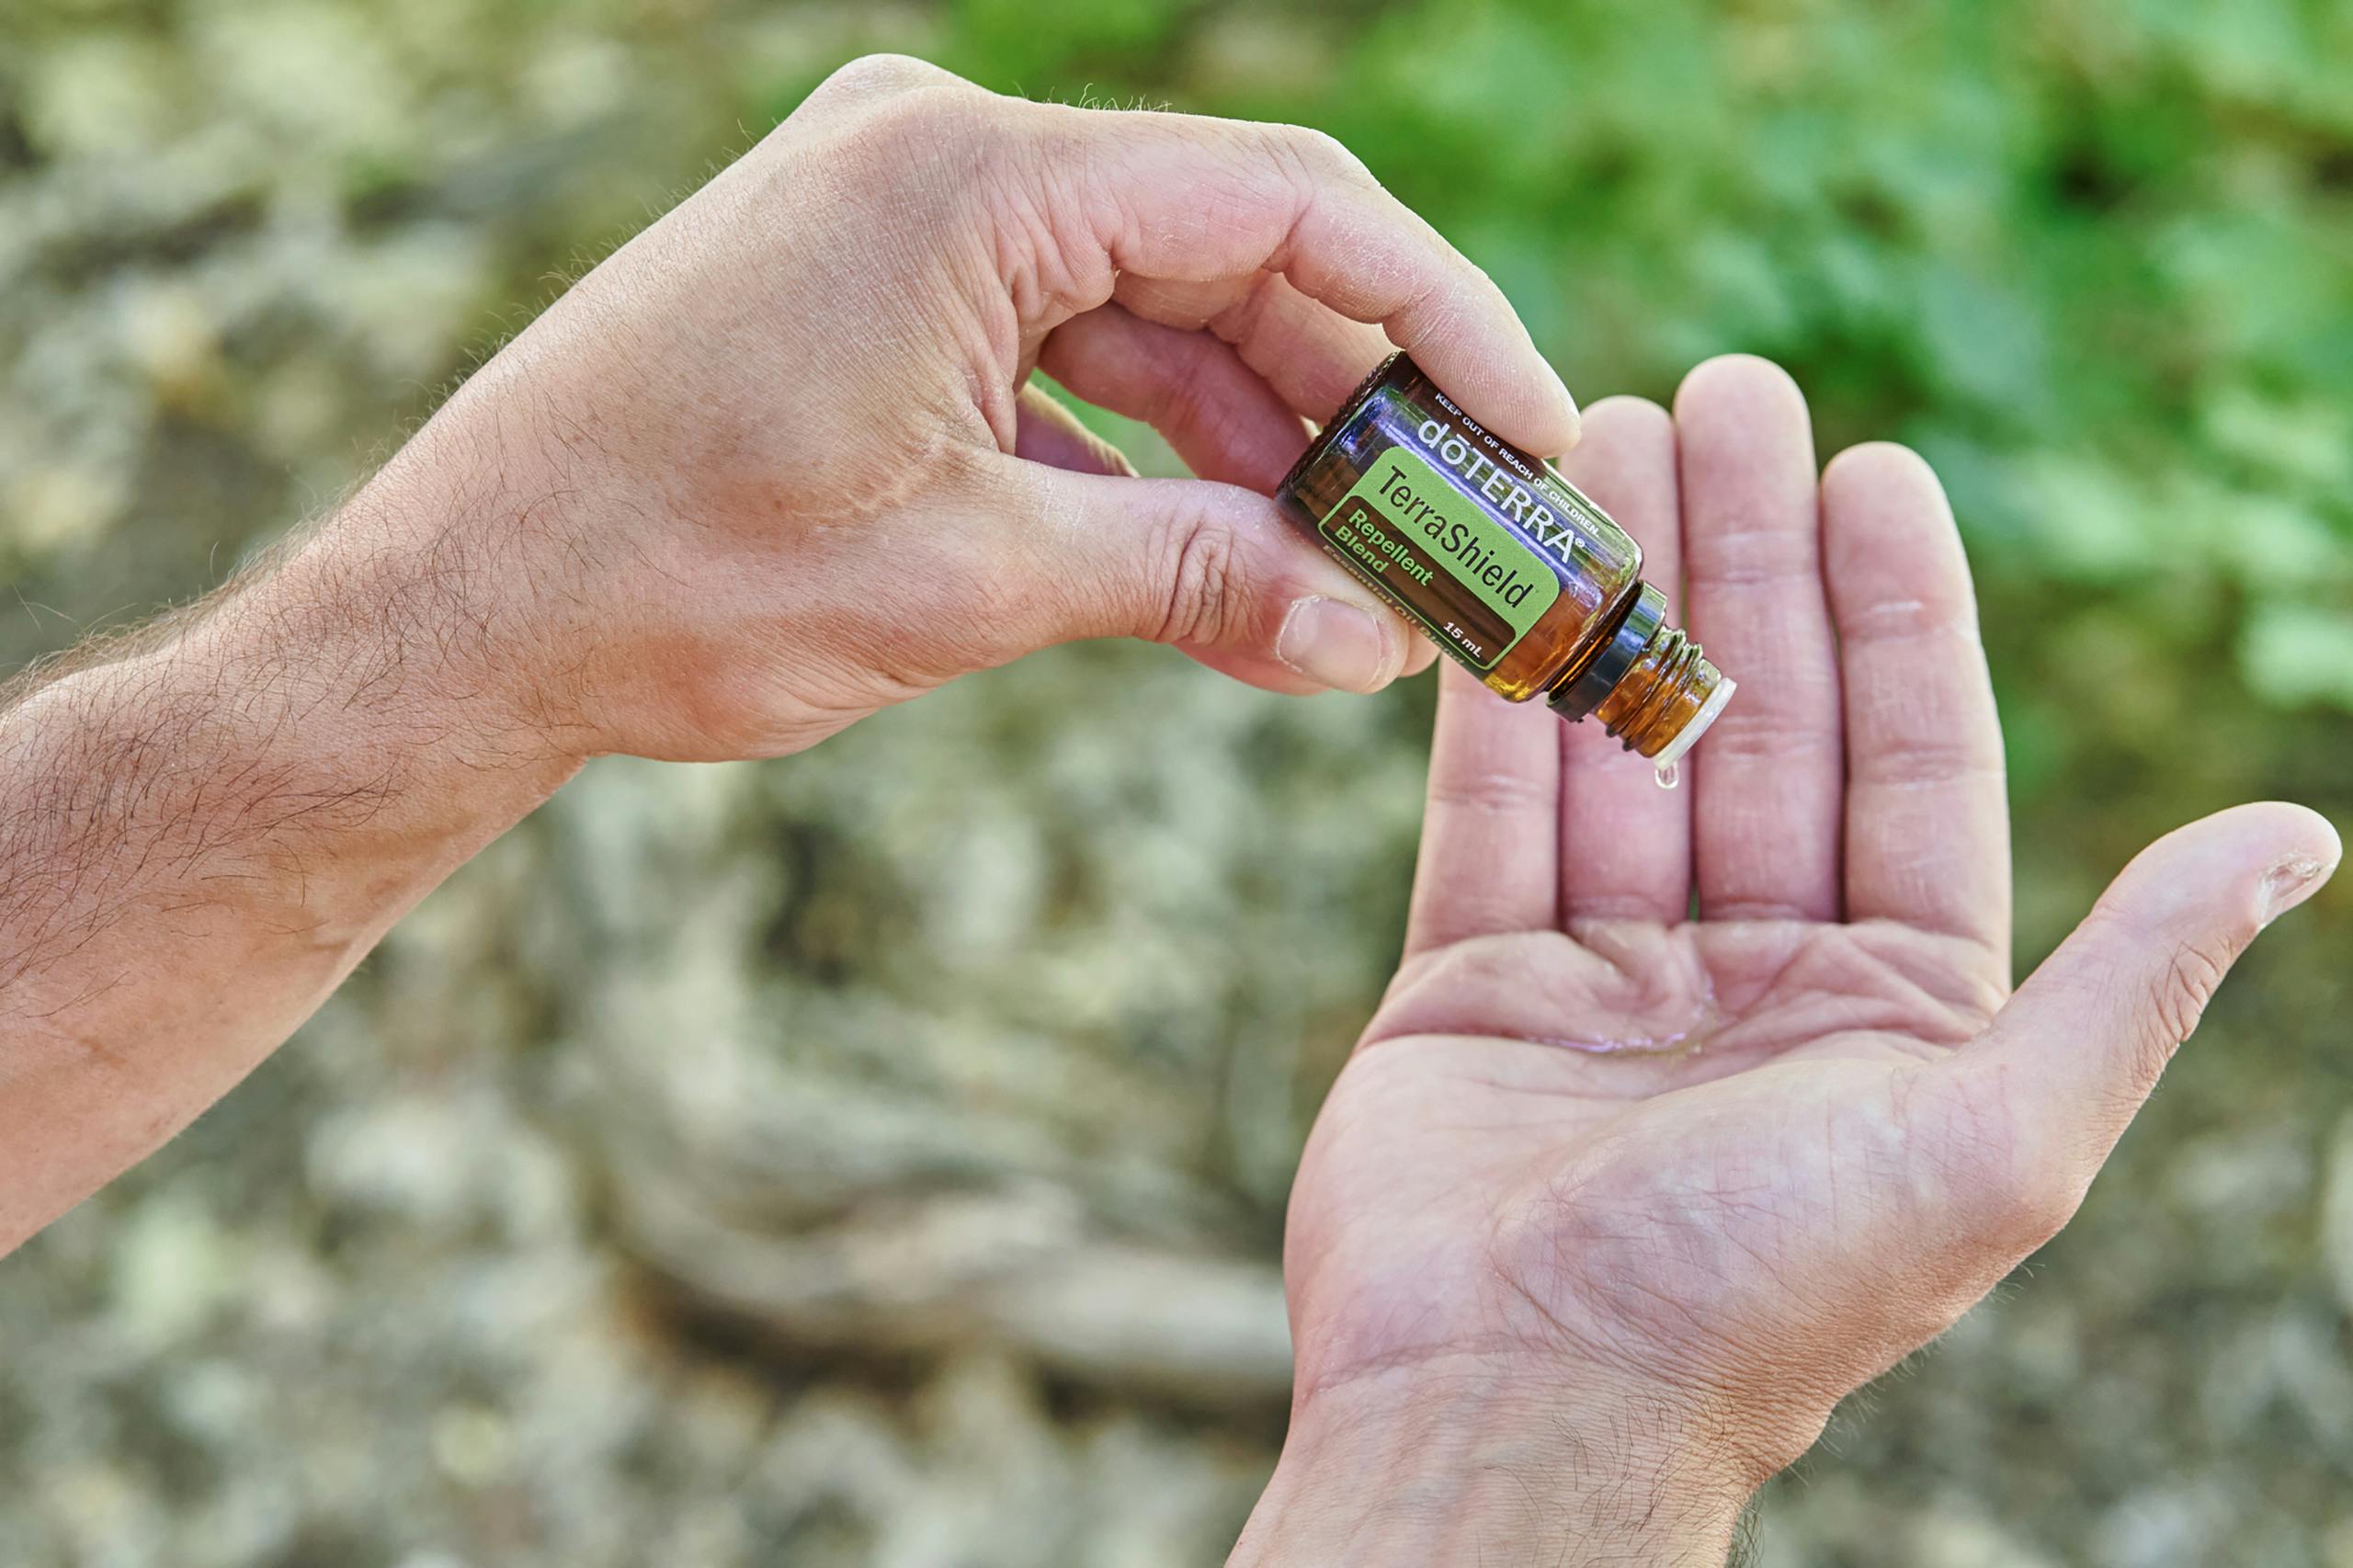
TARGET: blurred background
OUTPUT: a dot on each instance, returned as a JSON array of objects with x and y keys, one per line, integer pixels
[{"x": 879, "y": 1158}]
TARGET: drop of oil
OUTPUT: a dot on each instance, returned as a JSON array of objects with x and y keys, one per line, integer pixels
[{"x": 1670, "y": 777}]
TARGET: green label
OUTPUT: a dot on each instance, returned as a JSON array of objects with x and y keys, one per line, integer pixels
[{"x": 1411, "y": 533}]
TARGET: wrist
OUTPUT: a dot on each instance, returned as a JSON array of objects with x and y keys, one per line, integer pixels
[
  {"x": 354, "y": 706},
  {"x": 431, "y": 584},
  {"x": 584, "y": 614},
  {"x": 339, "y": 708},
  {"x": 1476, "y": 1463}
]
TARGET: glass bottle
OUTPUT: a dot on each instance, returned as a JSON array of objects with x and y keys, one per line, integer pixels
[{"x": 1506, "y": 565}]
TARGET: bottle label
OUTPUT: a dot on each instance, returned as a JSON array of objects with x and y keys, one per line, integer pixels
[{"x": 1409, "y": 531}]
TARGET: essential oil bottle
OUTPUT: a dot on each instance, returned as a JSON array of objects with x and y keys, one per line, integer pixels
[{"x": 1505, "y": 563}]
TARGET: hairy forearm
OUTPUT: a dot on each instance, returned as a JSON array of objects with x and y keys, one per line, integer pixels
[
  {"x": 1472, "y": 1467},
  {"x": 205, "y": 825}
]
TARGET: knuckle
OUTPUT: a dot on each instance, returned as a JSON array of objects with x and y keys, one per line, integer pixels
[
  {"x": 1205, "y": 599},
  {"x": 1753, "y": 550},
  {"x": 888, "y": 114},
  {"x": 1767, "y": 735},
  {"x": 873, "y": 77},
  {"x": 1923, "y": 762},
  {"x": 1489, "y": 792},
  {"x": 919, "y": 126},
  {"x": 2178, "y": 999},
  {"x": 1438, "y": 310},
  {"x": 1318, "y": 157}
]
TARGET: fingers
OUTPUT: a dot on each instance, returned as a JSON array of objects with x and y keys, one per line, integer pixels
[
  {"x": 1625, "y": 843},
  {"x": 1489, "y": 855},
  {"x": 1766, "y": 787},
  {"x": 1313, "y": 357},
  {"x": 2082, "y": 1044},
  {"x": 1046, "y": 432},
  {"x": 1211, "y": 568},
  {"x": 1219, "y": 416},
  {"x": 1928, "y": 839},
  {"x": 1226, "y": 424},
  {"x": 1190, "y": 199}
]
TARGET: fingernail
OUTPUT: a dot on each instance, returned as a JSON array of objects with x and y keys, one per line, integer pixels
[
  {"x": 2289, "y": 883},
  {"x": 1334, "y": 644}
]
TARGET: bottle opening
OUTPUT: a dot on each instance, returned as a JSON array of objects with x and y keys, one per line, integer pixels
[{"x": 1668, "y": 755}]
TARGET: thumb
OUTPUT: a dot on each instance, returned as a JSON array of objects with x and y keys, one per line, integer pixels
[
  {"x": 2095, "y": 1025},
  {"x": 1213, "y": 568}
]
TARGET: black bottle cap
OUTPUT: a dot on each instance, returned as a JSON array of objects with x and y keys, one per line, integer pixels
[{"x": 1633, "y": 633}]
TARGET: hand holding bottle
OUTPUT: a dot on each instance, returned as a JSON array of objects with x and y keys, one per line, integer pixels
[
  {"x": 773, "y": 465},
  {"x": 777, "y": 463}
]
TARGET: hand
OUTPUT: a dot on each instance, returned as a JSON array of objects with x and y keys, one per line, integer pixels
[
  {"x": 1614, "y": 1202},
  {"x": 772, "y": 466},
  {"x": 776, "y": 464}
]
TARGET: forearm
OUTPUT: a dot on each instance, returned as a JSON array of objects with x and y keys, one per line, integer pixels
[
  {"x": 204, "y": 826},
  {"x": 1478, "y": 1469}
]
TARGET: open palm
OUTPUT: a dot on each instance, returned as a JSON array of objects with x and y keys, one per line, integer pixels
[{"x": 1726, "y": 1166}]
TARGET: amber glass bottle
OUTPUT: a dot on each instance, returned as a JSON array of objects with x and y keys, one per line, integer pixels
[{"x": 1504, "y": 562}]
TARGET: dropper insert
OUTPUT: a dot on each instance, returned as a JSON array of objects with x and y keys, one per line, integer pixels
[{"x": 1668, "y": 755}]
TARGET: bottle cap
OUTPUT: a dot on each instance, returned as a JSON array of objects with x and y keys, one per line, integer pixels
[{"x": 1602, "y": 673}]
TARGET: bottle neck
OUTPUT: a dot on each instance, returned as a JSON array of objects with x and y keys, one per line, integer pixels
[
  {"x": 1665, "y": 699},
  {"x": 1648, "y": 684}
]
